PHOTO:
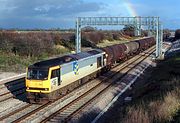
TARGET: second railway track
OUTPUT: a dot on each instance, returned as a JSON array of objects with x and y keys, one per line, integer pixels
[{"x": 12, "y": 89}]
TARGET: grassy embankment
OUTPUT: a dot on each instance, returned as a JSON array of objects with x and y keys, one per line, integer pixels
[
  {"x": 105, "y": 43},
  {"x": 9, "y": 62},
  {"x": 158, "y": 100}
]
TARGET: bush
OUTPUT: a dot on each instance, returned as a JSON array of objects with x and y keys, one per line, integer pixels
[
  {"x": 159, "y": 111},
  {"x": 65, "y": 39},
  {"x": 26, "y": 44},
  {"x": 6, "y": 41},
  {"x": 32, "y": 44}
]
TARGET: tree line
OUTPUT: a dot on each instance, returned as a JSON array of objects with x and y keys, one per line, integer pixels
[{"x": 32, "y": 44}]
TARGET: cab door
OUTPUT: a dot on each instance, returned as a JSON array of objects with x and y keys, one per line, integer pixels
[{"x": 55, "y": 77}]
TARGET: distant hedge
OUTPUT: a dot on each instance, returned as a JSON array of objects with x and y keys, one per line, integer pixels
[
  {"x": 26, "y": 44},
  {"x": 98, "y": 36},
  {"x": 32, "y": 44}
]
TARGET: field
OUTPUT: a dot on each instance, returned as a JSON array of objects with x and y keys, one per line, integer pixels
[
  {"x": 109, "y": 43},
  {"x": 105, "y": 43}
]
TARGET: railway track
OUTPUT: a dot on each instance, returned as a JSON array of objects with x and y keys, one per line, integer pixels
[
  {"x": 71, "y": 106},
  {"x": 71, "y": 109},
  {"x": 12, "y": 89}
]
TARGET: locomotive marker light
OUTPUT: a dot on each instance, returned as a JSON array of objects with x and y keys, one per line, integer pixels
[{"x": 153, "y": 23}]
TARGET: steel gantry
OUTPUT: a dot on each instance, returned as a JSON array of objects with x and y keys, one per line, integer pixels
[{"x": 153, "y": 24}]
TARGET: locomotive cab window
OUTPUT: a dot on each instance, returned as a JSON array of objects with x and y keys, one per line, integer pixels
[
  {"x": 56, "y": 73},
  {"x": 37, "y": 74},
  {"x": 99, "y": 63}
]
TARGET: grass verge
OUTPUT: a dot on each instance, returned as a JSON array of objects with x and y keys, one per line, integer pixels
[
  {"x": 156, "y": 97},
  {"x": 158, "y": 101}
]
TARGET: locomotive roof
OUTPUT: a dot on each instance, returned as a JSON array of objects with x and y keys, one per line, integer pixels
[{"x": 64, "y": 59}]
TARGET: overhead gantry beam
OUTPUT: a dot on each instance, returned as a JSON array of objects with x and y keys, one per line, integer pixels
[{"x": 154, "y": 27}]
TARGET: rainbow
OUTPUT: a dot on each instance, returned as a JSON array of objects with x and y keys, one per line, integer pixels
[{"x": 130, "y": 8}]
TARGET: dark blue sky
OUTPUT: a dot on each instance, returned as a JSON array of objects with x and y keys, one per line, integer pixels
[{"x": 62, "y": 13}]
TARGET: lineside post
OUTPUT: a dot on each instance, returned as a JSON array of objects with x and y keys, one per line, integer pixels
[
  {"x": 159, "y": 38},
  {"x": 78, "y": 36}
]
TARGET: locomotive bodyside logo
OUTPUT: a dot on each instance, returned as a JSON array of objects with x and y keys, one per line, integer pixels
[{"x": 75, "y": 67}]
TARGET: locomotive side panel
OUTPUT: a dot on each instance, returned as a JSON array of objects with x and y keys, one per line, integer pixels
[{"x": 76, "y": 70}]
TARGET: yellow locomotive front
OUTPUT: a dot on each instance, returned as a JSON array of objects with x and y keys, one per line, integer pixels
[
  {"x": 37, "y": 80},
  {"x": 39, "y": 83}
]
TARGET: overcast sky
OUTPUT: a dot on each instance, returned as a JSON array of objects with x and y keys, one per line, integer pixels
[{"x": 62, "y": 13}]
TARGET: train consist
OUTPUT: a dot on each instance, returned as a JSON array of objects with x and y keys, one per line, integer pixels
[{"x": 50, "y": 79}]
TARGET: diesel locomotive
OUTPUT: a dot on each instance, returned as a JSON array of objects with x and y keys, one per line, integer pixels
[{"x": 50, "y": 79}]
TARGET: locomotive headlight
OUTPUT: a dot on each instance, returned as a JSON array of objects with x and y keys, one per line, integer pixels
[{"x": 46, "y": 89}]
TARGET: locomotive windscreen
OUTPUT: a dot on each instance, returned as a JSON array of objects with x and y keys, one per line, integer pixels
[{"x": 37, "y": 74}]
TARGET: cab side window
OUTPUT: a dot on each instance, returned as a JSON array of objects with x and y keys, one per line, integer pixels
[
  {"x": 56, "y": 73},
  {"x": 99, "y": 64}
]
